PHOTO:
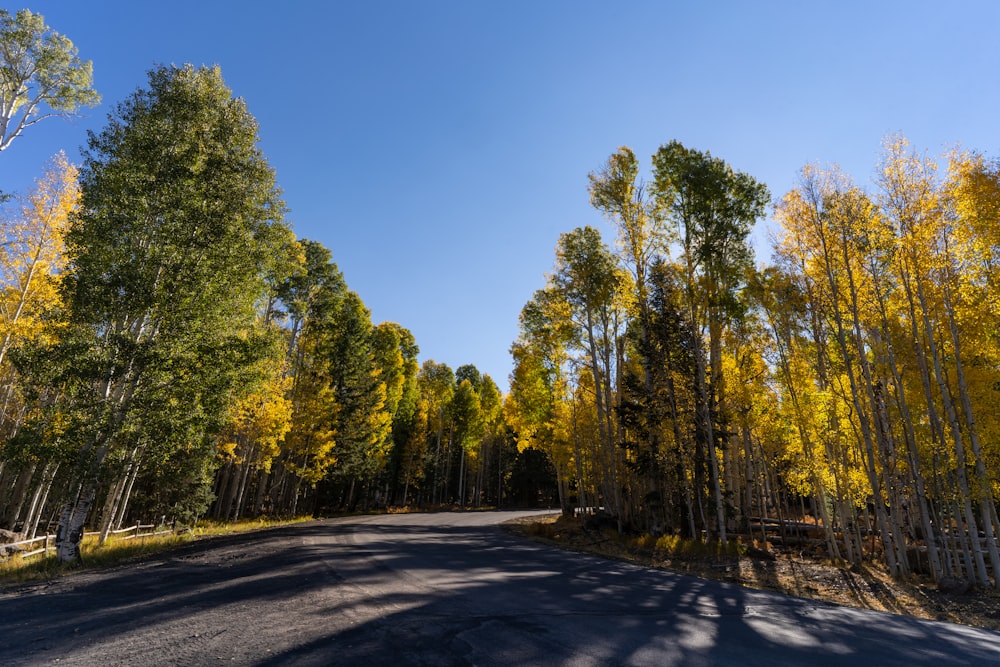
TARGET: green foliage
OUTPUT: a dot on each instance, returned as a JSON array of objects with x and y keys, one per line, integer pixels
[
  {"x": 362, "y": 424},
  {"x": 712, "y": 206},
  {"x": 38, "y": 68},
  {"x": 168, "y": 257},
  {"x": 713, "y": 209},
  {"x": 586, "y": 272}
]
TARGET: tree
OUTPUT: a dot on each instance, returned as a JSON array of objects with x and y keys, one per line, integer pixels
[
  {"x": 538, "y": 384},
  {"x": 616, "y": 191},
  {"x": 31, "y": 254},
  {"x": 437, "y": 387},
  {"x": 490, "y": 403},
  {"x": 713, "y": 208},
  {"x": 257, "y": 426},
  {"x": 396, "y": 355},
  {"x": 312, "y": 296},
  {"x": 38, "y": 68},
  {"x": 362, "y": 423},
  {"x": 167, "y": 261},
  {"x": 657, "y": 410},
  {"x": 588, "y": 278},
  {"x": 469, "y": 428}
]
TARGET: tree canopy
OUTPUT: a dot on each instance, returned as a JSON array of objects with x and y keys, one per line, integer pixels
[{"x": 41, "y": 75}]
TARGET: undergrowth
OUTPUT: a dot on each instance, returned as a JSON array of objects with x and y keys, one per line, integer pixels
[{"x": 675, "y": 546}]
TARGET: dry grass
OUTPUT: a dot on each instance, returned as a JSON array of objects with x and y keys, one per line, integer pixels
[{"x": 116, "y": 550}]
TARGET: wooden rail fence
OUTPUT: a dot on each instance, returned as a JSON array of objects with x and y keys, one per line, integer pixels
[{"x": 26, "y": 548}]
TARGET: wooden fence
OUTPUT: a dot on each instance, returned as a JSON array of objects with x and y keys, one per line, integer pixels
[{"x": 45, "y": 543}]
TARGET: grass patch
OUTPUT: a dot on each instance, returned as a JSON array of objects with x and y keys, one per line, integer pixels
[
  {"x": 117, "y": 551},
  {"x": 208, "y": 527}
]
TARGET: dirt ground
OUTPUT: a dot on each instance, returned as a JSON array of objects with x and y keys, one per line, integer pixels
[{"x": 870, "y": 587}]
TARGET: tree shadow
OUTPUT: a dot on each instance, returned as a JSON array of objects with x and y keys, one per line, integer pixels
[{"x": 413, "y": 591}]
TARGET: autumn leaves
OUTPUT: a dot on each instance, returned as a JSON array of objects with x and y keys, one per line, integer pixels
[{"x": 683, "y": 389}]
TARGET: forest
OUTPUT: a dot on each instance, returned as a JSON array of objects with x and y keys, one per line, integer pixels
[
  {"x": 170, "y": 350},
  {"x": 851, "y": 384}
]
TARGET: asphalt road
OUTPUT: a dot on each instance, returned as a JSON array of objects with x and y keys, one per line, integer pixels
[{"x": 439, "y": 589}]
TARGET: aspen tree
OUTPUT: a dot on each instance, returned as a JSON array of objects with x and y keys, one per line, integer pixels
[
  {"x": 32, "y": 254},
  {"x": 913, "y": 198},
  {"x": 166, "y": 263},
  {"x": 538, "y": 406},
  {"x": 41, "y": 75},
  {"x": 31, "y": 260},
  {"x": 642, "y": 236},
  {"x": 588, "y": 278},
  {"x": 712, "y": 208}
]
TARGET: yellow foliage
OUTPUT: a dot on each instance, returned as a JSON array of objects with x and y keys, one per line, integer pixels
[
  {"x": 259, "y": 421},
  {"x": 31, "y": 254},
  {"x": 310, "y": 441}
]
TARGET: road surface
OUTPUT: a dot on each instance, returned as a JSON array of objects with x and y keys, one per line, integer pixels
[{"x": 439, "y": 589}]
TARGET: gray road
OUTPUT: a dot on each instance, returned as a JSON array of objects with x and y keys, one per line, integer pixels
[{"x": 439, "y": 589}]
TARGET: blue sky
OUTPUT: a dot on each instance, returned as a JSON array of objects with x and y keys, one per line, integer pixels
[{"x": 440, "y": 148}]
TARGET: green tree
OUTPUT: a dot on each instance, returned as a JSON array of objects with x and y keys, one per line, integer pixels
[
  {"x": 362, "y": 424},
  {"x": 396, "y": 355},
  {"x": 311, "y": 296},
  {"x": 469, "y": 426},
  {"x": 713, "y": 208},
  {"x": 167, "y": 260},
  {"x": 38, "y": 68},
  {"x": 657, "y": 410}
]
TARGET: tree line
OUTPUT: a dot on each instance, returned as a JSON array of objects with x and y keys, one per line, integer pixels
[
  {"x": 170, "y": 350},
  {"x": 683, "y": 389}
]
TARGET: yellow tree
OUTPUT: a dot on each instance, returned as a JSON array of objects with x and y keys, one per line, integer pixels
[
  {"x": 973, "y": 194},
  {"x": 970, "y": 252},
  {"x": 943, "y": 311},
  {"x": 31, "y": 258},
  {"x": 31, "y": 254},
  {"x": 818, "y": 445},
  {"x": 589, "y": 280},
  {"x": 309, "y": 445},
  {"x": 252, "y": 441},
  {"x": 826, "y": 223},
  {"x": 537, "y": 407}
]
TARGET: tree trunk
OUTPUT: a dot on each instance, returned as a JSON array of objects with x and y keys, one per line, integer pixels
[
  {"x": 987, "y": 506},
  {"x": 48, "y": 478},
  {"x": 71, "y": 522},
  {"x": 704, "y": 407},
  {"x": 862, "y": 415}
]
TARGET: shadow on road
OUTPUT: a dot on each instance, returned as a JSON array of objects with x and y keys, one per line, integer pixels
[{"x": 391, "y": 591}]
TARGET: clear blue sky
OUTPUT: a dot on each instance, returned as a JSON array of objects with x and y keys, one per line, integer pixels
[{"x": 440, "y": 148}]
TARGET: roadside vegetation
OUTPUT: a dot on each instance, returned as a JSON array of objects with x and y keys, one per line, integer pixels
[{"x": 118, "y": 551}]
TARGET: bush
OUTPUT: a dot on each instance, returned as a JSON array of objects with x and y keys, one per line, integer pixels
[{"x": 674, "y": 546}]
